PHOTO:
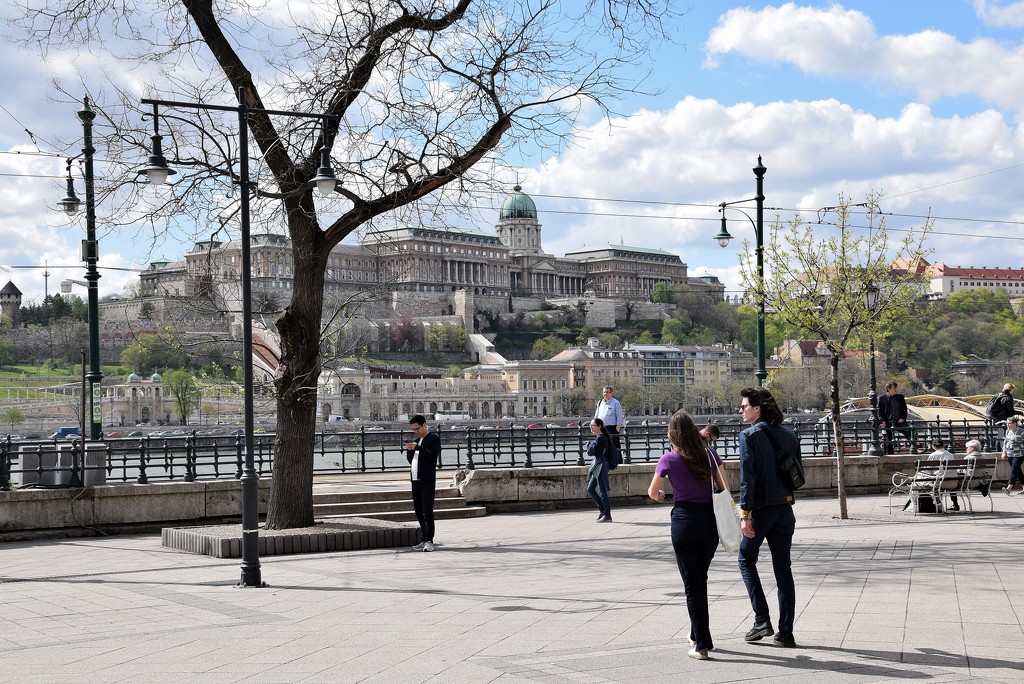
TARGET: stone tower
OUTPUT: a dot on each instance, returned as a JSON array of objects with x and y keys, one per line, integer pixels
[
  {"x": 10, "y": 301},
  {"x": 518, "y": 226}
]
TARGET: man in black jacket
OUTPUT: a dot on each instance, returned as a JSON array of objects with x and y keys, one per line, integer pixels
[
  {"x": 892, "y": 415},
  {"x": 766, "y": 512},
  {"x": 422, "y": 455}
]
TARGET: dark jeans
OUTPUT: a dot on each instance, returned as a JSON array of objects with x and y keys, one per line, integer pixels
[
  {"x": 776, "y": 524},
  {"x": 695, "y": 539},
  {"x": 423, "y": 503},
  {"x": 890, "y": 437},
  {"x": 598, "y": 488},
  {"x": 1015, "y": 470}
]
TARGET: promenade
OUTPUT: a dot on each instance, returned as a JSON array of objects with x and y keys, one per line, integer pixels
[{"x": 538, "y": 597}]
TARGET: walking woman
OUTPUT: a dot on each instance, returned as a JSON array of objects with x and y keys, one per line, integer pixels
[
  {"x": 690, "y": 468},
  {"x": 597, "y": 484},
  {"x": 1013, "y": 450}
]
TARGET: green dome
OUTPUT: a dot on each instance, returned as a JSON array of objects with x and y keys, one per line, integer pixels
[
  {"x": 156, "y": 377},
  {"x": 518, "y": 205},
  {"x": 132, "y": 377}
]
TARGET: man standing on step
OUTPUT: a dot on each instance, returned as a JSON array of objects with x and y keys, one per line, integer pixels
[{"x": 422, "y": 455}]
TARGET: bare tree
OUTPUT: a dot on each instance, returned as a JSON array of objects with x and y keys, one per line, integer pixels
[
  {"x": 426, "y": 93},
  {"x": 819, "y": 281}
]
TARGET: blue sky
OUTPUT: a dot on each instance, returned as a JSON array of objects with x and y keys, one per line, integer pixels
[{"x": 920, "y": 102}]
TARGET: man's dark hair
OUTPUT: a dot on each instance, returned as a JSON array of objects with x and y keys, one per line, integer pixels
[
  {"x": 891, "y": 385},
  {"x": 417, "y": 420},
  {"x": 713, "y": 430},
  {"x": 938, "y": 443},
  {"x": 759, "y": 396}
]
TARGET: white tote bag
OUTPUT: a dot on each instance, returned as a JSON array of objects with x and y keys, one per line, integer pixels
[{"x": 726, "y": 518}]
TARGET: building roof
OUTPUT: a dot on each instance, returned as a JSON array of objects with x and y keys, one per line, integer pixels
[
  {"x": 518, "y": 205},
  {"x": 10, "y": 289},
  {"x": 977, "y": 273},
  {"x": 610, "y": 250}
]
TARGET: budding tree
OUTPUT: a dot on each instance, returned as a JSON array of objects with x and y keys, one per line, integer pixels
[{"x": 817, "y": 281}]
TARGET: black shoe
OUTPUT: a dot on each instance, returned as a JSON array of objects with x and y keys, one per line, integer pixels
[
  {"x": 600, "y": 518},
  {"x": 983, "y": 489},
  {"x": 955, "y": 508},
  {"x": 785, "y": 640},
  {"x": 759, "y": 631}
]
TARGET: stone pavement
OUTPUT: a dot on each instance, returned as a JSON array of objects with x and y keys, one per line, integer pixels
[{"x": 547, "y": 597}]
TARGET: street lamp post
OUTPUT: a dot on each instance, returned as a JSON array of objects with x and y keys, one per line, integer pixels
[
  {"x": 871, "y": 298},
  {"x": 90, "y": 255},
  {"x": 723, "y": 237},
  {"x": 157, "y": 172}
]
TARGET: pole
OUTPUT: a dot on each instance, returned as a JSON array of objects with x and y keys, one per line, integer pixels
[
  {"x": 874, "y": 449},
  {"x": 251, "y": 576},
  {"x": 762, "y": 371},
  {"x": 90, "y": 254}
]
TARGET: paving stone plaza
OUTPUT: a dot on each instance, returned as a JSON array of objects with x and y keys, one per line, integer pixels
[{"x": 547, "y": 597}]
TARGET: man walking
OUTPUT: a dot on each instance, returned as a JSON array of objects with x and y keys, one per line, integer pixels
[
  {"x": 422, "y": 455},
  {"x": 766, "y": 512},
  {"x": 892, "y": 415},
  {"x": 609, "y": 410}
]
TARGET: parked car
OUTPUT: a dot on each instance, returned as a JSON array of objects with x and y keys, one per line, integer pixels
[
  {"x": 135, "y": 433},
  {"x": 375, "y": 428},
  {"x": 570, "y": 424},
  {"x": 534, "y": 426}
]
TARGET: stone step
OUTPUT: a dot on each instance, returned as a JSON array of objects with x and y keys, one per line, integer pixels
[
  {"x": 409, "y": 515},
  {"x": 394, "y": 504},
  {"x": 379, "y": 495},
  {"x": 365, "y": 507}
]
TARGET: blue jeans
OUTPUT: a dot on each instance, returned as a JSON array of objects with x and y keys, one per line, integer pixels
[
  {"x": 600, "y": 497},
  {"x": 776, "y": 524},
  {"x": 1015, "y": 470},
  {"x": 695, "y": 539}
]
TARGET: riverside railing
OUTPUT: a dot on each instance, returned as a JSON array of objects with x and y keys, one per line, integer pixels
[{"x": 188, "y": 457}]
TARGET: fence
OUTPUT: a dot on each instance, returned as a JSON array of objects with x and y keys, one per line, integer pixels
[{"x": 60, "y": 463}]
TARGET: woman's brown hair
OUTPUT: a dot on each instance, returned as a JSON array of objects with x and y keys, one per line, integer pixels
[{"x": 686, "y": 440}]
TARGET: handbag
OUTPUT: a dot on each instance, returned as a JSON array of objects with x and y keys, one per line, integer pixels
[{"x": 726, "y": 519}]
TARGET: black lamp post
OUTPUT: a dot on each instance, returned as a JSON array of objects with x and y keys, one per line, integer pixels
[
  {"x": 871, "y": 299},
  {"x": 157, "y": 171},
  {"x": 90, "y": 255},
  {"x": 723, "y": 237}
]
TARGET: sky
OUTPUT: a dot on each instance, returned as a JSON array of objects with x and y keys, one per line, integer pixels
[{"x": 920, "y": 103}]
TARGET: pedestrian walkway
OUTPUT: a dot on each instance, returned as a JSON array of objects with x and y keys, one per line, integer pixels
[{"x": 549, "y": 597}]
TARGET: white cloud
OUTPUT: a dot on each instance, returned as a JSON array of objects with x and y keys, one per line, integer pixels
[
  {"x": 843, "y": 43},
  {"x": 1011, "y": 14},
  {"x": 701, "y": 152}
]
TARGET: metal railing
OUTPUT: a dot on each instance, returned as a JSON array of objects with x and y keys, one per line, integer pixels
[{"x": 188, "y": 457}]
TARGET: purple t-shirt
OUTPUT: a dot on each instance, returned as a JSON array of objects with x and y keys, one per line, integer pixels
[{"x": 685, "y": 487}]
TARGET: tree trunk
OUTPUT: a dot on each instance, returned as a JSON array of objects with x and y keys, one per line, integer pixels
[
  {"x": 291, "y": 494},
  {"x": 837, "y": 433}
]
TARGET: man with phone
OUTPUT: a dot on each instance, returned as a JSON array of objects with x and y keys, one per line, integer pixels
[{"x": 423, "y": 454}]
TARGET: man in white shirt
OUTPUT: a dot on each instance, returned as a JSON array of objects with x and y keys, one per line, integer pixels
[{"x": 609, "y": 410}]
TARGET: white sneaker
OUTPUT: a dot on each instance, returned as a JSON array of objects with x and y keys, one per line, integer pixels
[
  {"x": 701, "y": 654},
  {"x": 428, "y": 546},
  {"x": 420, "y": 546}
]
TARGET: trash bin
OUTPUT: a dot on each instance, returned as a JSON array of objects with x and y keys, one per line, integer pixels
[{"x": 95, "y": 471}]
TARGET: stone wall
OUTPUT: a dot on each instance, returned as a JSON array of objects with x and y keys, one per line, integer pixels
[{"x": 511, "y": 489}]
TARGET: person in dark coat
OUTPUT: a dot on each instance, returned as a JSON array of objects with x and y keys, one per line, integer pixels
[
  {"x": 766, "y": 512},
  {"x": 423, "y": 454},
  {"x": 892, "y": 415}
]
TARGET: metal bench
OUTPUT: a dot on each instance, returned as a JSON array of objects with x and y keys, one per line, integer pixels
[{"x": 940, "y": 480}]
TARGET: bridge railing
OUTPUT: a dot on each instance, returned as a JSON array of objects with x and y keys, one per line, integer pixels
[{"x": 188, "y": 457}]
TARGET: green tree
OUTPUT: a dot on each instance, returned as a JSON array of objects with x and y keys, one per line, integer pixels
[
  {"x": 672, "y": 331},
  {"x": 420, "y": 94},
  {"x": 12, "y": 415},
  {"x": 662, "y": 294},
  {"x": 187, "y": 394},
  {"x": 818, "y": 282},
  {"x": 549, "y": 346}
]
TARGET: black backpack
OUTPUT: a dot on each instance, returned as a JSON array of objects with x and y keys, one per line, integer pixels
[
  {"x": 614, "y": 458},
  {"x": 997, "y": 408}
]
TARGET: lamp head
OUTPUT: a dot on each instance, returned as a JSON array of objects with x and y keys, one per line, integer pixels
[
  {"x": 723, "y": 236},
  {"x": 325, "y": 179},
  {"x": 157, "y": 170},
  {"x": 70, "y": 204}
]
